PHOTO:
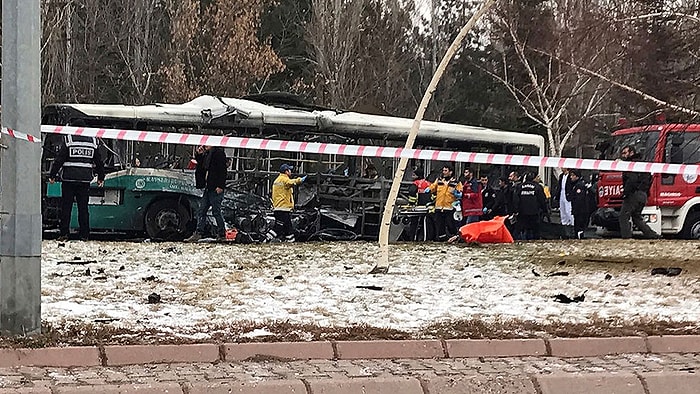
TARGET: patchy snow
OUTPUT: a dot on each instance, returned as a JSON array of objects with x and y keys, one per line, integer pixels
[{"x": 317, "y": 283}]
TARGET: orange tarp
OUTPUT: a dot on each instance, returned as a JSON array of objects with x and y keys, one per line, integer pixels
[{"x": 488, "y": 231}]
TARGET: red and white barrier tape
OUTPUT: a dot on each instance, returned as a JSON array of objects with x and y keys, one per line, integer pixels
[
  {"x": 375, "y": 151},
  {"x": 18, "y": 135},
  {"x": 363, "y": 150}
]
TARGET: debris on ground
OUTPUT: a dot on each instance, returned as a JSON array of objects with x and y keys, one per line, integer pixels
[
  {"x": 369, "y": 287},
  {"x": 670, "y": 271},
  {"x": 558, "y": 273},
  {"x": 77, "y": 261},
  {"x": 564, "y": 299},
  {"x": 154, "y": 298}
]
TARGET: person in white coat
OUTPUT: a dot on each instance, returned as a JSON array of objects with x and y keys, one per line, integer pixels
[{"x": 564, "y": 189}]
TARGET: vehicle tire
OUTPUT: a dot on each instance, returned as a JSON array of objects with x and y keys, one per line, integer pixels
[
  {"x": 167, "y": 220},
  {"x": 691, "y": 227}
]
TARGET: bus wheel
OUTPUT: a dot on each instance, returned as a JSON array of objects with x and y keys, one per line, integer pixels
[
  {"x": 691, "y": 228},
  {"x": 167, "y": 220}
]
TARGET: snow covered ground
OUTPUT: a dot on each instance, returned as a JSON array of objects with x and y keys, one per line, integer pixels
[{"x": 202, "y": 285}]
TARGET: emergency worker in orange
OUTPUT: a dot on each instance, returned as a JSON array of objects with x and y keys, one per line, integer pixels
[{"x": 447, "y": 191}]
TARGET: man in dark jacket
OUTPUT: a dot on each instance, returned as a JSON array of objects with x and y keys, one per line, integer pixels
[
  {"x": 580, "y": 207},
  {"x": 635, "y": 189},
  {"x": 514, "y": 179},
  {"x": 78, "y": 158},
  {"x": 211, "y": 177},
  {"x": 488, "y": 196},
  {"x": 529, "y": 202},
  {"x": 501, "y": 205}
]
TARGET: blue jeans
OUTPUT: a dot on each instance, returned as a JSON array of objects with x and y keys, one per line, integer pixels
[
  {"x": 472, "y": 219},
  {"x": 212, "y": 199}
]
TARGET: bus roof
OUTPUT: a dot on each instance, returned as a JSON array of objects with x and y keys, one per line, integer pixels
[{"x": 234, "y": 112}]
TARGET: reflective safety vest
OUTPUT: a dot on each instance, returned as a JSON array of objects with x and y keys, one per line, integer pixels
[
  {"x": 417, "y": 197},
  {"x": 283, "y": 192},
  {"x": 79, "y": 163}
]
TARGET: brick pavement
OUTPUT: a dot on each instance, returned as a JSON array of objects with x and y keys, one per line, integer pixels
[{"x": 632, "y": 365}]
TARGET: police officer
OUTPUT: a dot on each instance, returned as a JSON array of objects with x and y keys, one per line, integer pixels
[
  {"x": 635, "y": 189},
  {"x": 529, "y": 203},
  {"x": 79, "y": 158}
]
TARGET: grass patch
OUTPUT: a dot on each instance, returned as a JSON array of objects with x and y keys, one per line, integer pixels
[{"x": 106, "y": 334}]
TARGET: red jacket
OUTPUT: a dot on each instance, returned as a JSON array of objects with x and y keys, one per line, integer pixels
[
  {"x": 472, "y": 202},
  {"x": 416, "y": 195}
]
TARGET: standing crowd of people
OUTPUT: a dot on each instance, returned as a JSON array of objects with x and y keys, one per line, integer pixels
[{"x": 450, "y": 202}]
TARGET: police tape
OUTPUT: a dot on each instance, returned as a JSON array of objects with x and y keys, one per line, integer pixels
[
  {"x": 18, "y": 135},
  {"x": 372, "y": 151}
]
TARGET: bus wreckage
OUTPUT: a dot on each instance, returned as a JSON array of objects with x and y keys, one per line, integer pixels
[{"x": 150, "y": 191}]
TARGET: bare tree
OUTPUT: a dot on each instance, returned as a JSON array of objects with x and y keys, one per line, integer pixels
[
  {"x": 363, "y": 54},
  {"x": 136, "y": 40},
  {"x": 659, "y": 47},
  {"x": 214, "y": 48},
  {"x": 445, "y": 20},
  {"x": 100, "y": 50},
  {"x": 335, "y": 34},
  {"x": 550, "y": 92},
  {"x": 58, "y": 50}
]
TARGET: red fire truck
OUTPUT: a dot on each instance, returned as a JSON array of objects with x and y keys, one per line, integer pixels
[{"x": 673, "y": 207}]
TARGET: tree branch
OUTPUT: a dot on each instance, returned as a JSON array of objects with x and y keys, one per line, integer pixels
[{"x": 625, "y": 87}]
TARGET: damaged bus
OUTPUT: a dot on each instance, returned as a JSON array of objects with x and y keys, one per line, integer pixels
[{"x": 150, "y": 187}]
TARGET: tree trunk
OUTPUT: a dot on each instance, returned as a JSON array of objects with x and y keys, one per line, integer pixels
[{"x": 383, "y": 265}]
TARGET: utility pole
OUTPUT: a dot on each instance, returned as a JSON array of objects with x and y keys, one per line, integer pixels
[{"x": 20, "y": 191}]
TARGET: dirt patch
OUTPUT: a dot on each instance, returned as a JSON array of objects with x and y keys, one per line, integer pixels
[{"x": 617, "y": 255}]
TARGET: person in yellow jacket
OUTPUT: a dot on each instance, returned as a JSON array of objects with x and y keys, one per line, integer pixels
[
  {"x": 547, "y": 216},
  {"x": 283, "y": 202},
  {"x": 447, "y": 190}
]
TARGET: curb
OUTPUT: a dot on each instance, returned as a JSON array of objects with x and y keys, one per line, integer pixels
[
  {"x": 593, "y": 383},
  {"x": 112, "y": 355}
]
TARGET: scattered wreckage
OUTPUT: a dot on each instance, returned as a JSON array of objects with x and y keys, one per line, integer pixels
[{"x": 162, "y": 203}]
